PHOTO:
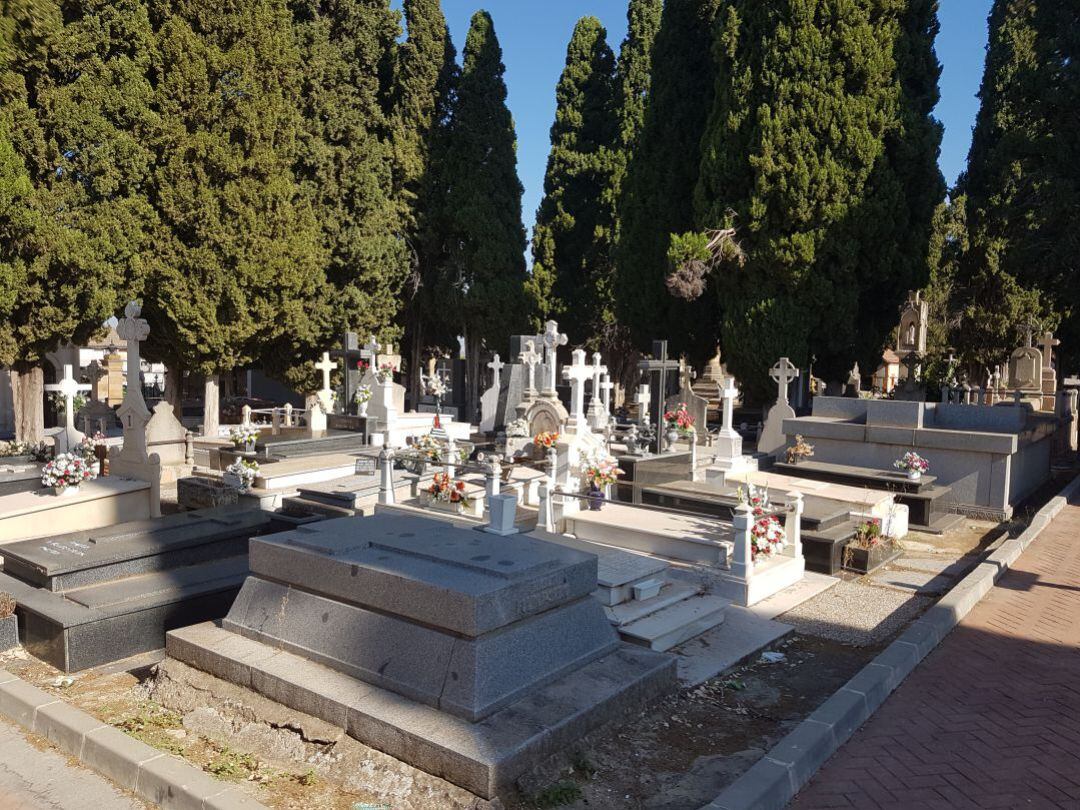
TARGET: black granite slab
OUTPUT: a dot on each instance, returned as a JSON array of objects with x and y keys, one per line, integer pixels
[
  {"x": 334, "y": 441},
  {"x": 19, "y": 478}
]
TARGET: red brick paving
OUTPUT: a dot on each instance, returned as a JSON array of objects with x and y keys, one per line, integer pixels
[{"x": 991, "y": 718}]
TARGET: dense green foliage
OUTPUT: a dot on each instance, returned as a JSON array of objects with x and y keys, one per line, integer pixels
[
  {"x": 656, "y": 198},
  {"x": 571, "y": 277},
  {"x": 484, "y": 282},
  {"x": 821, "y": 152},
  {"x": 1023, "y": 184}
]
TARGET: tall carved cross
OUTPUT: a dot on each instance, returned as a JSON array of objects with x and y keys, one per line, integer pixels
[
  {"x": 687, "y": 375},
  {"x": 530, "y": 358},
  {"x": 729, "y": 393},
  {"x": 68, "y": 388},
  {"x": 606, "y": 388},
  {"x": 661, "y": 365},
  {"x": 783, "y": 373},
  {"x": 371, "y": 351},
  {"x": 326, "y": 365},
  {"x": 599, "y": 370},
  {"x": 577, "y": 373},
  {"x": 1029, "y": 332},
  {"x": 1048, "y": 343},
  {"x": 496, "y": 365},
  {"x": 643, "y": 399},
  {"x": 553, "y": 339},
  {"x": 133, "y": 413}
]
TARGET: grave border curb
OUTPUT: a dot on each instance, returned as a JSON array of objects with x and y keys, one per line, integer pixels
[
  {"x": 154, "y": 776},
  {"x": 777, "y": 777}
]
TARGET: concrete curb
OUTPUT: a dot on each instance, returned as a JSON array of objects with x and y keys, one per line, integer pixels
[
  {"x": 774, "y": 780},
  {"x": 163, "y": 780}
]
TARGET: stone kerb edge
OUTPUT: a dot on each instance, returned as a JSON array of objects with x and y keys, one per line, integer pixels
[
  {"x": 775, "y": 779},
  {"x": 152, "y": 775}
]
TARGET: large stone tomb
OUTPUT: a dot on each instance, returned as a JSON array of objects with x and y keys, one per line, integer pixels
[
  {"x": 468, "y": 655},
  {"x": 92, "y": 597},
  {"x": 19, "y": 478}
]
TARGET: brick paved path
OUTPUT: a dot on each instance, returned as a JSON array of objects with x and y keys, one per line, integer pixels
[{"x": 991, "y": 718}]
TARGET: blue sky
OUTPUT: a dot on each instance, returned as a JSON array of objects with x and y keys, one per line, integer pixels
[{"x": 534, "y": 36}]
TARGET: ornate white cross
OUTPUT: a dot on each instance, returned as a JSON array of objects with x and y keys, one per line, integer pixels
[
  {"x": 643, "y": 399},
  {"x": 553, "y": 339},
  {"x": 599, "y": 370},
  {"x": 496, "y": 365},
  {"x": 530, "y": 358},
  {"x": 577, "y": 373},
  {"x": 606, "y": 388},
  {"x": 326, "y": 365},
  {"x": 69, "y": 389},
  {"x": 1048, "y": 343},
  {"x": 782, "y": 374},
  {"x": 133, "y": 413},
  {"x": 729, "y": 393},
  {"x": 134, "y": 330},
  {"x": 371, "y": 351}
]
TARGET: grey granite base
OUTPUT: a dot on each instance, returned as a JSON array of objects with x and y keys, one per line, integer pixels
[
  {"x": 9, "y": 633},
  {"x": 485, "y": 757}
]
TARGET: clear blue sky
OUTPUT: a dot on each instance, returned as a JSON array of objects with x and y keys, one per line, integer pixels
[{"x": 534, "y": 35}]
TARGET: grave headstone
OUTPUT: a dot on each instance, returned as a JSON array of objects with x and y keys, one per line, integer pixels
[
  {"x": 773, "y": 440},
  {"x": 69, "y": 437},
  {"x": 657, "y": 369}
]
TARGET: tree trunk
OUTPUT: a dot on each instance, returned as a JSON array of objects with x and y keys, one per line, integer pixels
[
  {"x": 27, "y": 394},
  {"x": 174, "y": 388},
  {"x": 211, "y": 407}
]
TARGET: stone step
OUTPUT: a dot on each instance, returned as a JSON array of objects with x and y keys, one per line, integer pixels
[
  {"x": 636, "y": 609},
  {"x": 662, "y": 534},
  {"x": 677, "y": 623}
]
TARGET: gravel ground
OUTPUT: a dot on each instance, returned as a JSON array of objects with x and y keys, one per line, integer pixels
[{"x": 856, "y": 614}]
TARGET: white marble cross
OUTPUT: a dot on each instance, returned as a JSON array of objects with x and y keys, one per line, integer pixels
[
  {"x": 782, "y": 374},
  {"x": 598, "y": 371},
  {"x": 643, "y": 399},
  {"x": 371, "y": 351},
  {"x": 553, "y": 339},
  {"x": 133, "y": 413},
  {"x": 496, "y": 365},
  {"x": 606, "y": 388},
  {"x": 578, "y": 372},
  {"x": 530, "y": 358},
  {"x": 326, "y": 365},
  {"x": 68, "y": 388},
  {"x": 729, "y": 393},
  {"x": 1048, "y": 343}
]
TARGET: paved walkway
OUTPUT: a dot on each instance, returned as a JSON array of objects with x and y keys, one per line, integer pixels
[
  {"x": 991, "y": 718},
  {"x": 33, "y": 778}
]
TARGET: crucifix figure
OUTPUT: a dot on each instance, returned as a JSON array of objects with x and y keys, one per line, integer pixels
[
  {"x": 1048, "y": 343},
  {"x": 783, "y": 374},
  {"x": 553, "y": 339},
  {"x": 530, "y": 358},
  {"x": 496, "y": 365},
  {"x": 911, "y": 362},
  {"x": 68, "y": 388},
  {"x": 577, "y": 373}
]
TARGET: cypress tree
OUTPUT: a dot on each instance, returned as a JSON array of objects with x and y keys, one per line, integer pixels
[
  {"x": 426, "y": 76},
  {"x": 656, "y": 196},
  {"x": 634, "y": 78},
  {"x": 74, "y": 163},
  {"x": 485, "y": 282},
  {"x": 238, "y": 259},
  {"x": 1023, "y": 182},
  {"x": 820, "y": 151},
  {"x": 572, "y": 242}
]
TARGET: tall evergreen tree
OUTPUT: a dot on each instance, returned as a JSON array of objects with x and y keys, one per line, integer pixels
[
  {"x": 1023, "y": 181},
  {"x": 74, "y": 163},
  {"x": 426, "y": 78},
  {"x": 572, "y": 243},
  {"x": 656, "y": 196},
  {"x": 820, "y": 152},
  {"x": 634, "y": 78},
  {"x": 485, "y": 280},
  {"x": 238, "y": 258}
]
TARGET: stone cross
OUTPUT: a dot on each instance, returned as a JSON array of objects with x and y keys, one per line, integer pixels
[
  {"x": 597, "y": 414},
  {"x": 1029, "y": 332},
  {"x": 1048, "y": 343},
  {"x": 687, "y": 375},
  {"x": 530, "y": 358},
  {"x": 69, "y": 388},
  {"x": 661, "y": 365},
  {"x": 783, "y": 373},
  {"x": 578, "y": 372},
  {"x": 729, "y": 393},
  {"x": 496, "y": 365},
  {"x": 643, "y": 399},
  {"x": 134, "y": 330},
  {"x": 96, "y": 373},
  {"x": 553, "y": 339},
  {"x": 133, "y": 413},
  {"x": 326, "y": 365},
  {"x": 371, "y": 350},
  {"x": 606, "y": 388}
]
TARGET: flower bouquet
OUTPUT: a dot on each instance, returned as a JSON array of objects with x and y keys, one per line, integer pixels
[
  {"x": 448, "y": 493},
  {"x": 244, "y": 436},
  {"x": 767, "y": 535},
  {"x": 680, "y": 420},
  {"x": 241, "y": 474},
  {"x": 600, "y": 471},
  {"x": 436, "y": 387},
  {"x": 65, "y": 473},
  {"x": 913, "y": 464},
  {"x": 362, "y": 397},
  {"x": 385, "y": 372},
  {"x": 546, "y": 439},
  {"x": 800, "y": 450}
]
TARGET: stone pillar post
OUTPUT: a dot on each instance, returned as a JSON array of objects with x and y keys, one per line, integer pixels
[
  {"x": 288, "y": 414},
  {"x": 494, "y": 479},
  {"x": 545, "y": 518},
  {"x": 386, "y": 475},
  {"x": 793, "y": 528},
  {"x": 275, "y": 421},
  {"x": 742, "y": 565}
]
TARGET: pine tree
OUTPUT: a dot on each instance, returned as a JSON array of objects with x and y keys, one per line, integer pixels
[
  {"x": 656, "y": 197},
  {"x": 426, "y": 78},
  {"x": 572, "y": 242},
  {"x": 634, "y": 78},
  {"x": 820, "y": 151},
  {"x": 485, "y": 282},
  {"x": 1023, "y": 182},
  {"x": 74, "y": 164},
  {"x": 238, "y": 258}
]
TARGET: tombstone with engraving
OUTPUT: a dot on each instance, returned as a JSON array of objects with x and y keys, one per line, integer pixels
[
  {"x": 773, "y": 440},
  {"x": 696, "y": 406},
  {"x": 1026, "y": 371}
]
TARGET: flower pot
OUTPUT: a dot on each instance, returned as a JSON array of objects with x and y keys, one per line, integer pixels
[
  {"x": 363, "y": 408},
  {"x": 249, "y": 447},
  {"x": 867, "y": 560},
  {"x": 61, "y": 491},
  {"x": 595, "y": 498},
  {"x": 913, "y": 475},
  {"x": 235, "y": 481},
  {"x": 672, "y": 436}
]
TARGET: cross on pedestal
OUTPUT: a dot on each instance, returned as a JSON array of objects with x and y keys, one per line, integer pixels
[
  {"x": 729, "y": 393},
  {"x": 660, "y": 365},
  {"x": 597, "y": 414},
  {"x": 326, "y": 365},
  {"x": 553, "y": 339},
  {"x": 643, "y": 398},
  {"x": 1048, "y": 343},
  {"x": 783, "y": 374},
  {"x": 530, "y": 358},
  {"x": 496, "y": 365},
  {"x": 371, "y": 350},
  {"x": 577, "y": 373},
  {"x": 68, "y": 388},
  {"x": 606, "y": 388},
  {"x": 1029, "y": 332},
  {"x": 687, "y": 375}
]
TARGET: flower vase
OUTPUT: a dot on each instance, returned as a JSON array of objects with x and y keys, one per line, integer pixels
[
  {"x": 914, "y": 475},
  {"x": 672, "y": 437},
  {"x": 233, "y": 480},
  {"x": 249, "y": 447},
  {"x": 363, "y": 408},
  {"x": 595, "y": 498},
  {"x": 61, "y": 491}
]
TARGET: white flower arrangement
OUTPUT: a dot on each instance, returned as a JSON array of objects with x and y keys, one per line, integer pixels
[
  {"x": 66, "y": 470},
  {"x": 362, "y": 395},
  {"x": 243, "y": 435},
  {"x": 243, "y": 474},
  {"x": 436, "y": 387}
]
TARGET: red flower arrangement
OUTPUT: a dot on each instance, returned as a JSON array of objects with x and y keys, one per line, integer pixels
[{"x": 680, "y": 419}]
